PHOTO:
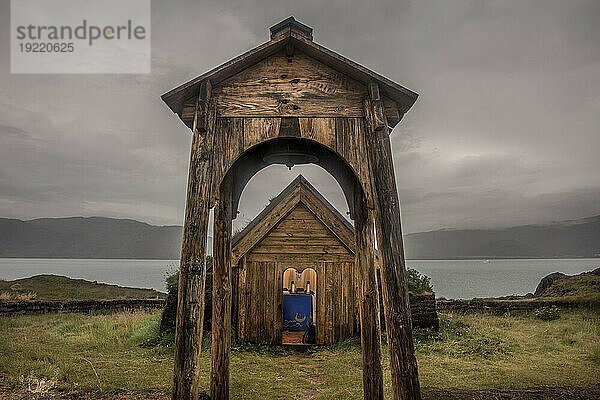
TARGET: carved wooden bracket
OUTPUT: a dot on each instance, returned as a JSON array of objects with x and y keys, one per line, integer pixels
[{"x": 202, "y": 107}]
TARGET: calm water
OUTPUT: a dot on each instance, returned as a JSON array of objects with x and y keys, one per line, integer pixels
[{"x": 451, "y": 278}]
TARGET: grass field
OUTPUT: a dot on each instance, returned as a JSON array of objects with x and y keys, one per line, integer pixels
[
  {"x": 54, "y": 287},
  {"x": 122, "y": 352}
]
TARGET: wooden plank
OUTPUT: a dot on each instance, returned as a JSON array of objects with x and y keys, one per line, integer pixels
[
  {"x": 304, "y": 249},
  {"x": 354, "y": 302},
  {"x": 403, "y": 364},
  {"x": 321, "y": 294},
  {"x": 243, "y": 294},
  {"x": 251, "y": 323},
  {"x": 350, "y": 144},
  {"x": 262, "y": 302},
  {"x": 221, "y": 299},
  {"x": 235, "y": 307},
  {"x": 190, "y": 304},
  {"x": 330, "y": 303},
  {"x": 326, "y": 241},
  {"x": 278, "y": 304},
  {"x": 337, "y": 309},
  {"x": 233, "y": 129},
  {"x": 270, "y": 300},
  {"x": 370, "y": 331},
  {"x": 221, "y": 149},
  {"x": 298, "y": 260},
  {"x": 289, "y": 127},
  {"x": 345, "y": 300},
  {"x": 302, "y": 88},
  {"x": 321, "y": 130},
  {"x": 257, "y": 130}
]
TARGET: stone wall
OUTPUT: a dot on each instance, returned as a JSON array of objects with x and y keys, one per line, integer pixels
[
  {"x": 423, "y": 311},
  {"x": 502, "y": 306},
  {"x": 84, "y": 306}
]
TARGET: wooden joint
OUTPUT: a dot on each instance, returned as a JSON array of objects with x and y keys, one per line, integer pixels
[
  {"x": 202, "y": 106},
  {"x": 377, "y": 107},
  {"x": 374, "y": 91},
  {"x": 289, "y": 49}
]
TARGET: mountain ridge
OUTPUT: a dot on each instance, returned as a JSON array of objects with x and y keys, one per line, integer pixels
[{"x": 104, "y": 237}]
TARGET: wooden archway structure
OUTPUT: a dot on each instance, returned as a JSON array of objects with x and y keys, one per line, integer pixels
[{"x": 291, "y": 97}]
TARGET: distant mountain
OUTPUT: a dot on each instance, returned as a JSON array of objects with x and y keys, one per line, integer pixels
[
  {"x": 98, "y": 237},
  {"x": 576, "y": 238},
  {"x": 94, "y": 237}
]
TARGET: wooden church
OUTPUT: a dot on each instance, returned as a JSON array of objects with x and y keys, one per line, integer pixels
[{"x": 299, "y": 249}]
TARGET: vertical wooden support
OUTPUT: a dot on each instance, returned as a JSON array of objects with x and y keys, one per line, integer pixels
[
  {"x": 192, "y": 270},
  {"x": 403, "y": 364},
  {"x": 221, "y": 306},
  {"x": 370, "y": 331}
]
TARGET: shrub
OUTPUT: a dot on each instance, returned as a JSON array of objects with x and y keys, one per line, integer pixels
[
  {"x": 417, "y": 282},
  {"x": 547, "y": 313},
  {"x": 169, "y": 314}
]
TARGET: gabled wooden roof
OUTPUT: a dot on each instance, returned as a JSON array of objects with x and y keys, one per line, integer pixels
[
  {"x": 299, "y": 191},
  {"x": 290, "y": 32}
]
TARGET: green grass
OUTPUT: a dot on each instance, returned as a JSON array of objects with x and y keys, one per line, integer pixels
[
  {"x": 54, "y": 287},
  {"x": 585, "y": 288},
  {"x": 111, "y": 353}
]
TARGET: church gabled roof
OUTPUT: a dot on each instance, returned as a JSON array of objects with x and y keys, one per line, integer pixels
[
  {"x": 299, "y": 191},
  {"x": 291, "y": 32}
]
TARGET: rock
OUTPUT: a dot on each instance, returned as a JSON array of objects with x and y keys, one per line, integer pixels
[
  {"x": 546, "y": 282},
  {"x": 16, "y": 287}
]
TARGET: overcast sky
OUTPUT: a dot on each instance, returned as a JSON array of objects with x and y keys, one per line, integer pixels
[{"x": 506, "y": 129}]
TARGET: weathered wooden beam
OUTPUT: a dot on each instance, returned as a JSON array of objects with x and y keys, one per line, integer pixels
[
  {"x": 202, "y": 107},
  {"x": 378, "y": 115},
  {"x": 192, "y": 271},
  {"x": 403, "y": 365},
  {"x": 221, "y": 298},
  {"x": 370, "y": 331}
]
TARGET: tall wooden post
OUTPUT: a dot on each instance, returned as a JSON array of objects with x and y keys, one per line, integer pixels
[
  {"x": 403, "y": 364},
  {"x": 370, "y": 331},
  {"x": 192, "y": 270},
  {"x": 221, "y": 306}
]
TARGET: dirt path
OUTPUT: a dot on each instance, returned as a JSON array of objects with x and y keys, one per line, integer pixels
[{"x": 546, "y": 393}]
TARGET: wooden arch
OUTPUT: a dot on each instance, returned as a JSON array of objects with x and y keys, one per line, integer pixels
[
  {"x": 287, "y": 92},
  {"x": 252, "y": 161}
]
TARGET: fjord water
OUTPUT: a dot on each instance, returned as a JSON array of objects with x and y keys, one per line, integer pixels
[{"x": 451, "y": 278}]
